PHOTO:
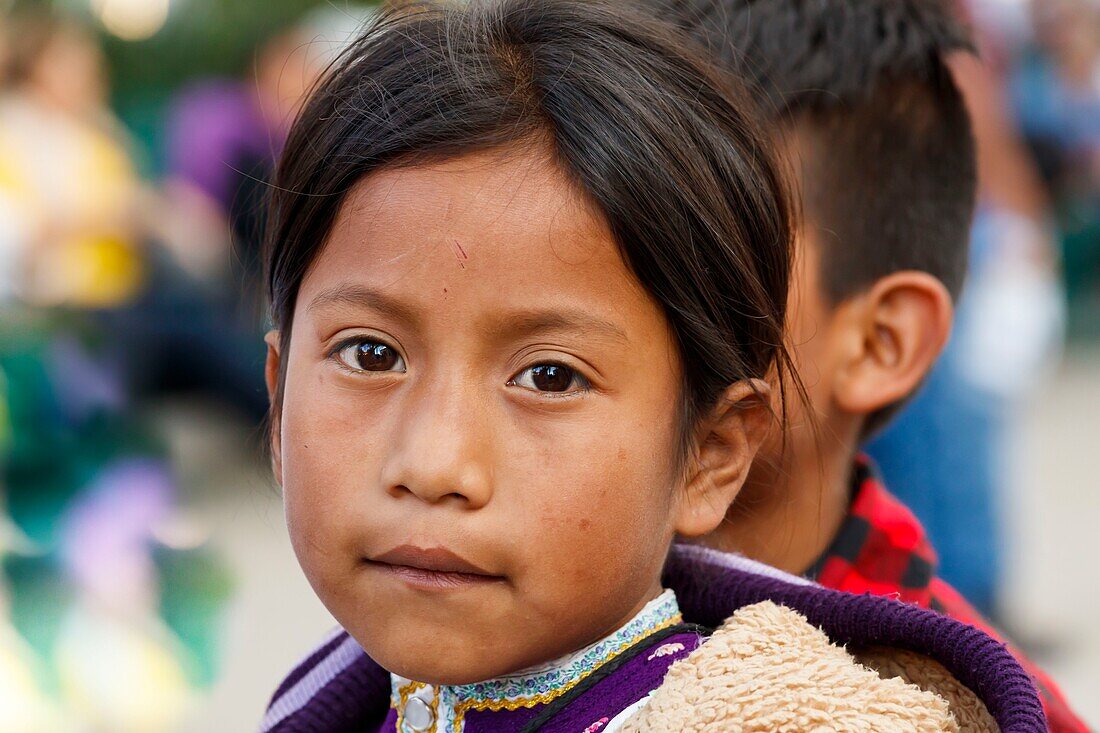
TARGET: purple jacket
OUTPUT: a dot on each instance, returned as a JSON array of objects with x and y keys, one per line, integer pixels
[{"x": 338, "y": 688}]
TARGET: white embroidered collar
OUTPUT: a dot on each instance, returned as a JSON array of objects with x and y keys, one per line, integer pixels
[{"x": 425, "y": 708}]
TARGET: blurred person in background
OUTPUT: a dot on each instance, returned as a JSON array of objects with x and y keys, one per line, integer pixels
[
  {"x": 198, "y": 329},
  {"x": 224, "y": 136},
  {"x": 947, "y": 454},
  {"x": 68, "y": 189},
  {"x": 79, "y": 229},
  {"x": 1056, "y": 94},
  {"x": 109, "y": 613}
]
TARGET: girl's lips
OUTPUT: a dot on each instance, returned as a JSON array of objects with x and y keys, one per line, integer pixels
[
  {"x": 433, "y": 568},
  {"x": 434, "y": 579}
]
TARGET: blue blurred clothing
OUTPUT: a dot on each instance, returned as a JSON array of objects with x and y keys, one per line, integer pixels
[
  {"x": 940, "y": 458},
  {"x": 945, "y": 454},
  {"x": 1048, "y": 108}
]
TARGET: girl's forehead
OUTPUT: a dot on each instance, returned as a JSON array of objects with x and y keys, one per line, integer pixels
[
  {"x": 494, "y": 193},
  {"x": 486, "y": 228}
]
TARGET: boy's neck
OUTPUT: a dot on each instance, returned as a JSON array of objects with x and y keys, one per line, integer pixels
[{"x": 789, "y": 513}]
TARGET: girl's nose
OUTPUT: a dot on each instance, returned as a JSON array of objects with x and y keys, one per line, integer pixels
[{"x": 440, "y": 452}]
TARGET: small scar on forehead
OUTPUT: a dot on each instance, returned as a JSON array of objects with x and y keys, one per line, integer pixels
[{"x": 460, "y": 254}]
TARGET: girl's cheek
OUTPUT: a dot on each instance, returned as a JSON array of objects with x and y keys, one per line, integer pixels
[{"x": 314, "y": 462}]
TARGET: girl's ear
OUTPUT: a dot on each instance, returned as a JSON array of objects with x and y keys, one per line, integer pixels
[
  {"x": 272, "y": 368},
  {"x": 725, "y": 445}
]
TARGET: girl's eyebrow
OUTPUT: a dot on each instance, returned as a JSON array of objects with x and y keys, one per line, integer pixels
[
  {"x": 528, "y": 323},
  {"x": 357, "y": 296},
  {"x": 516, "y": 323}
]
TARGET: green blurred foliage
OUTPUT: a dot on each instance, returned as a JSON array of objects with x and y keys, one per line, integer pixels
[
  {"x": 195, "y": 586},
  {"x": 201, "y": 38}
]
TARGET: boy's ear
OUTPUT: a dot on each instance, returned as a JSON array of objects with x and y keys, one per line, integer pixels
[
  {"x": 272, "y": 367},
  {"x": 725, "y": 444},
  {"x": 893, "y": 335}
]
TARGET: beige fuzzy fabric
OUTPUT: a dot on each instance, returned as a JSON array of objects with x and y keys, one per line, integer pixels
[
  {"x": 969, "y": 711},
  {"x": 768, "y": 669}
]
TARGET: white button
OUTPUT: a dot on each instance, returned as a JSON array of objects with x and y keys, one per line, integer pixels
[{"x": 418, "y": 715}]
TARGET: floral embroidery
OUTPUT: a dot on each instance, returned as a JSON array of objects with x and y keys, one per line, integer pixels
[
  {"x": 665, "y": 650},
  {"x": 597, "y": 725},
  {"x": 544, "y": 684},
  {"x": 659, "y": 614}
]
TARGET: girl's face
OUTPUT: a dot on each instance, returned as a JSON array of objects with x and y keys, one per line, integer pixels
[{"x": 478, "y": 435}]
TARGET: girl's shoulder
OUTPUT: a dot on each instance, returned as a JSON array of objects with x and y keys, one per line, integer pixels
[
  {"x": 787, "y": 655},
  {"x": 339, "y": 688},
  {"x": 767, "y": 668},
  {"x": 849, "y": 655},
  {"x": 616, "y": 690}
]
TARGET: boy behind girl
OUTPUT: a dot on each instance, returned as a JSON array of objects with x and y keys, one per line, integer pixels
[{"x": 881, "y": 148}]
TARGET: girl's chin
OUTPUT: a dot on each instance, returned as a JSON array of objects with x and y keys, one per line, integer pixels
[
  {"x": 442, "y": 644},
  {"x": 455, "y": 672}
]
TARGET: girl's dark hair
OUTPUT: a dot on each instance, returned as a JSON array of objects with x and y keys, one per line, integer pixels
[{"x": 666, "y": 147}]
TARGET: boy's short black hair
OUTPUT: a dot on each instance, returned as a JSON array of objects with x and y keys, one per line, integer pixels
[{"x": 887, "y": 153}]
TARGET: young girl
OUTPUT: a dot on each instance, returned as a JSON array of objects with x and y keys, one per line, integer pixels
[{"x": 528, "y": 267}]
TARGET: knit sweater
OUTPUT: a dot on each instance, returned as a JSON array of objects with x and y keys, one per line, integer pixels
[{"x": 775, "y": 666}]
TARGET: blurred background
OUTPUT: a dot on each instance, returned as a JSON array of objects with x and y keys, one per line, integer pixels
[{"x": 146, "y": 581}]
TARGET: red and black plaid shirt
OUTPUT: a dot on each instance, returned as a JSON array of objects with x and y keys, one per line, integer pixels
[{"x": 882, "y": 549}]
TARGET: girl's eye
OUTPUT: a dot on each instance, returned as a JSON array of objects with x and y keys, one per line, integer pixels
[
  {"x": 551, "y": 378},
  {"x": 371, "y": 356}
]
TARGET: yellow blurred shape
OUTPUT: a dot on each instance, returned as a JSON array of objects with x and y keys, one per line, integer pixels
[
  {"x": 23, "y": 707},
  {"x": 121, "y": 675},
  {"x": 132, "y": 20},
  {"x": 94, "y": 273}
]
